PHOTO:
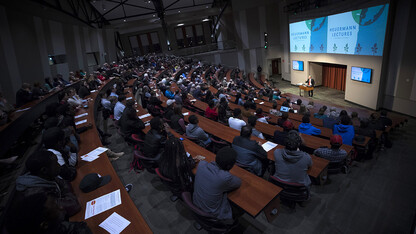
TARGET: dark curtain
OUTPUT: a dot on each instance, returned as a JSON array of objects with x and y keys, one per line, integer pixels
[{"x": 334, "y": 76}]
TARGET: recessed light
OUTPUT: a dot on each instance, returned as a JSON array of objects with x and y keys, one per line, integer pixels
[
  {"x": 179, "y": 11},
  {"x": 154, "y": 15},
  {"x": 180, "y": 24},
  {"x": 205, "y": 20},
  {"x": 124, "y": 20}
]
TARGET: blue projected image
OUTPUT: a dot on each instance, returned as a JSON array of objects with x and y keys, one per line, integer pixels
[
  {"x": 359, "y": 32},
  {"x": 297, "y": 65},
  {"x": 361, "y": 74}
]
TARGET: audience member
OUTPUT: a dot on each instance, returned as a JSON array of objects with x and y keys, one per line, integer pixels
[
  {"x": 282, "y": 119},
  {"x": 176, "y": 120},
  {"x": 274, "y": 110},
  {"x": 211, "y": 111},
  {"x": 280, "y": 136},
  {"x": 252, "y": 120},
  {"x": 130, "y": 123},
  {"x": 119, "y": 107},
  {"x": 24, "y": 95},
  {"x": 333, "y": 154},
  {"x": 249, "y": 152},
  {"x": 345, "y": 130},
  {"x": 236, "y": 122},
  {"x": 194, "y": 131},
  {"x": 307, "y": 128},
  {"x": 155, "y": 139}
]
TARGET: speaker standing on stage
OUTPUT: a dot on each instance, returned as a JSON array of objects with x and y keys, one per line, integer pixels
[{"x": 310, "y": 83}]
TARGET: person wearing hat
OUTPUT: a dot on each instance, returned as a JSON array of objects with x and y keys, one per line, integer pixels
[
  {"x": 292, "y": 164},
  {"x": 280, "y": 136},
  {"x": 333, "y": 154},
  {"x": 170, "y": 104},
  {"x": 93, "y": 181},
  {"x": 42, "y": 177},
  {"x": 212, "y": 183}
]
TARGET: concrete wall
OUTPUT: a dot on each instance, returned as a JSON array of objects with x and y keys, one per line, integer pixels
[{"x": 26, "y": 40}]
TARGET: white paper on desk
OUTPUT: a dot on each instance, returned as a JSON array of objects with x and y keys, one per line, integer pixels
[
  {"x": 296, "y": 111},
  {"x": 144, "y": 116},
  {"x": 193, "y": 100},
  {"x": 255, "y": 99},
  {"x": 81, "y": 115},
  {"x": 81, "y": 122},
  {"x": 22, "y": 109},
  {"x": 97, "y": 151},
  {"x": 186, "y": 113},
  {"x": 89, "y": 158},
  {"x": 147, "y": 124},
  {"x": 102, "y": 203},
  {"x": 261, "y": 103},
  {"x": 115, "y": 223},
  {"x": 268, "y": 146},
  {"x": 93, "y": 91},
  {"x": 129, "y": 98}
]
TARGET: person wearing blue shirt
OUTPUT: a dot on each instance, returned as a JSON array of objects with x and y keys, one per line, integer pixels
[
  {"x": 119, "y": 108},
  {"x": 345, "y": 130},
  {"x": 169, "y": 93},
  {"x": 307, "y": 128}
]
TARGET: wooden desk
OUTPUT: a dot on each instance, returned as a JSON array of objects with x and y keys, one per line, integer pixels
[
  {"x": 305, "y": 89},
  {"x": 89, "y": 141},
  {"x": 254, "y": 81}
]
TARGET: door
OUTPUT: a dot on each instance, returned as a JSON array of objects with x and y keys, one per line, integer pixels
[{"x": 276, "y": 67}]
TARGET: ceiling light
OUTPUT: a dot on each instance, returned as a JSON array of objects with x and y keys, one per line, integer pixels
[
  {"x": 149, "y": 2},
  {"x": 180, "y": 24},
  {"x": 206, "y": 6},
  {"x": 179, "y": 11},
  {"x": 205, "y": 20},
  {"x": 124, "y": 20},
  {"x": 154, "y": 15}
]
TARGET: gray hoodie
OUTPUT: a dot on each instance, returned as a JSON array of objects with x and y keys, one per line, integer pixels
[
  {"x": 27, "y": 182},
  {"x": 194, "y": 131},
  {"x": 292, "y": 166}
]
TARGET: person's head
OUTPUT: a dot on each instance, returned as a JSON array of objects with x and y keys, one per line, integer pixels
[
  {"x": 226, "y": 158},
  {"x": 237, "y": 112},
  {"x": 345, "y": 120},
  {"x": 285, "y": 115},
  {"x": 177, "y": 110},
  {"x": 170, "y": 103},
  {"x": 26, "y": 86},
  {"x": 287, "y": 126},
  {"x": 211, "y": 104},
  {"x": 54, "y": 138},
  {"x": 274, "y": 105},
  {"x": 302, "y": 109},
  {"x": 336, "y": 141},
  {"x": 252, "y": 120},
  {"x": 223, "y": 100},
  {"x": 107, "y": 93},
  {"x": 130, "y": 103},
  {"x": 374, "y": 116},
  {"x": 354, "y": 115},
  {"x": 193, "y": 119},
  {"x": 343, "y": 112},
  {"x": 246, "y": 105},
  {"x": 309, "y": 77},
  {"x": 156, "y": 124},
  {"x": 246, "y": 131},
  {"x": 311, "y": 103},
  {"x": 306, "y": 119},
  {"x": 34, "y": 213},
  {"x": 299, "y": 101},
  {"x": 173, "y": 149},
  {"x": 324, "y": 107},
  {"x": 293, "y": 140},
  {"x": 121, "y": 98},
  {"x": 259, "y": 111},
  {"x": 321, "y": 111},
  {"x": 44, "y": 164}
]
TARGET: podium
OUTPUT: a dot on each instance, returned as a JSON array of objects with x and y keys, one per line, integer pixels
[{"x": 305, "y": 89}]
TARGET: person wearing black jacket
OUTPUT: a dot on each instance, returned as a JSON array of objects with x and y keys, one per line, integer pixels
[
  {"x": 83, "y": 90},
  {"x": 310, "y": 83},
  {"x": 24, "y": 95},
  {"x": 130, "y": 123},
  {"x": 155, "y": 139}
]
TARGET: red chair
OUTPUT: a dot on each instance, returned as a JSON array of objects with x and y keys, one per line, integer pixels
[
  {"x": 170, "y": 184},
  {"x": 292, "y": 193},
  {"x": 141, "y": 162},
  {"x": 205, "y": 220}
]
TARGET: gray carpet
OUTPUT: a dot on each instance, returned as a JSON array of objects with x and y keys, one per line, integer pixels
[{"x": 377, "y": 196}]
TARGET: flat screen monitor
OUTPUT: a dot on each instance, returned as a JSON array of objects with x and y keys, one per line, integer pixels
[
  {"x": 361, "y": 74},
  {"x": 297, "y": 65}
]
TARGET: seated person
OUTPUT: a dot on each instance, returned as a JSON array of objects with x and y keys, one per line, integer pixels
[
  {"x": 119, "y": 107},
  {"x": 73, "y": 99},
  {"x": 170, "y": 104},
  {"x": 307, "y": 128},
  {"x": 155, "y": 139},
  {"x": 385, "y": 121},
  {"x": 332, "y": 119},
  {"x": 283, "y": 119},
  {"x": 303, "y": 110},
  {"x": 212, "y": 182},
  {"x": 260, "y": 116},
  {"x": 252, "y": 123},
  {"x": 320, "y": 114},
  {"x": 236, "y": 122},
  {"x": 333, "y": 154},
  {"x": 366, "y": 130},
  {"x": 275, "y": 111},
  {"x": 292, "y": 164},
  {"x": 246, "y": 112},
  {"x": 345, "y": 130},
  {"x": 40, "y": 213},
  {"x": 249, "y": 152},
  {"x": 169, "y": 94},
  {"x": 130, "y": 123},
  {"x": 211, "y": 111},
  {"x": 222, "y": 110},
  {"x": 194, "y": 131},
  {"x": 176, "y": 120},
  {"x": 54, "y": 141},
  {"x": 24, "y": 95},
  {"x": 83, "y": 90},
  {"x": 177, "y": 166},
  {"x": 280, "y": 137},
  {"x": 356, "y": 122},
  {"x": 42, "y": 177}
]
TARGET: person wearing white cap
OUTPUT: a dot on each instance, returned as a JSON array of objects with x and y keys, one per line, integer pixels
[{"x": 170, "y": 104}]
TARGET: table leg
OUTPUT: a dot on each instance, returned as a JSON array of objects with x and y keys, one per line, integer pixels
[
  {"x": 323, "y": 176},
  {"x": 300, "y": 92},
  {"x": 272, "y": 209}
]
